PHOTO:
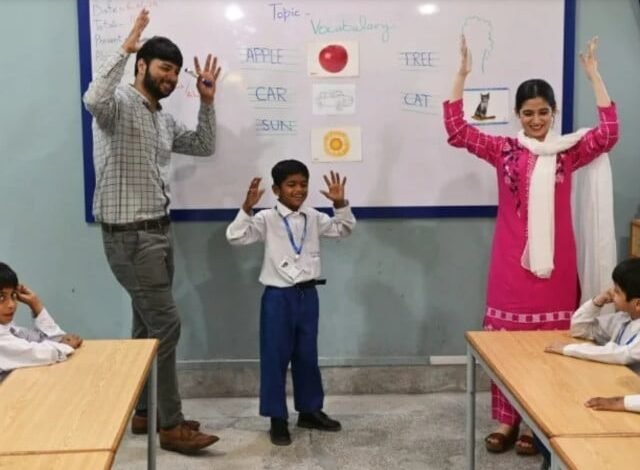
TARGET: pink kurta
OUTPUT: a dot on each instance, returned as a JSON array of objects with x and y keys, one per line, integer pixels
[{"x": 517, "y": 299}]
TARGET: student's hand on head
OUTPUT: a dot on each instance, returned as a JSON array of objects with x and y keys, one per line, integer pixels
[
  {"x": 465, "y": 58},
  {"x": 603, "y": 298},
  {"x": 589, "y": 60},
  {"x": 72, "y": 340},
  {"x": 254, "y": 194},
  {"x": 609, "y": 403},
  {"x": 132, "y": 43},
  {"x": 207, "y": 77},
  {"x": 556, "y": 347},
  {"x": 335, "y": 189},
  {"x": 28, "y": 297}
]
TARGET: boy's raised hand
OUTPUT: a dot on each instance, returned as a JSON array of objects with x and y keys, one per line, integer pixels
[
  {"x": 72, "y": 340},
  {"x": 335, "y": 189},
  {"x": 133, "y": 41},
  {"x": 609, "y": 403},
  {"x": 253, "y": 195},
  {"x": 28, "y": 297}
]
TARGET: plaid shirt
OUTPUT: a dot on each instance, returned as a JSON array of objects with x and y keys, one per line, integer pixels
[{"x": 133, "y": 145}]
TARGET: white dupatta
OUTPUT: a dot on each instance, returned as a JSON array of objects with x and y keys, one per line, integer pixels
[{"x": 592, "y": 207}]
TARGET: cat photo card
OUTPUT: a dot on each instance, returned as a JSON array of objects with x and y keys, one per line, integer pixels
[{"x": 487, "y": 106}]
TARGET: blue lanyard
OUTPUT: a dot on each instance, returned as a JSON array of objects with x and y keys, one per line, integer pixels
[
  {"x": 619, "y": 337},
  {"x": 297, "y": 248}
]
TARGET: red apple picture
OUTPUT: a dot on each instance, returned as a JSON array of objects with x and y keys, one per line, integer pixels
[{"x": 333, "y": 58}]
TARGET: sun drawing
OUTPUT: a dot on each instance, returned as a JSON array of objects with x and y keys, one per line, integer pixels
[{"x": 336, "y": 143}]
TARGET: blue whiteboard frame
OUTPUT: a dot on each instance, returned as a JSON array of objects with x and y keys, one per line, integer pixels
[{"x": 404, "y": 212}]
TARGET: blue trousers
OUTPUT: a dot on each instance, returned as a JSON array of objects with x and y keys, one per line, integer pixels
[{"x": 289, "y": 334}]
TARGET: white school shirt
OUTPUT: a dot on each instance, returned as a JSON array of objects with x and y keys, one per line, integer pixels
[
  {"x": 25, "y": 347},
  {"x": 617, "y": 337},
  {"x": 632, "y": 403},
  {"x": 268, "y": 226}
]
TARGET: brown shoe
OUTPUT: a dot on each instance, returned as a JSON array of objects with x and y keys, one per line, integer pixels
[
  {"x": 525, "y": 445},
  {"x": 182, "y": 439},
  {"x": 498, "y": 443},
  {"x": 139, "y": 424}
]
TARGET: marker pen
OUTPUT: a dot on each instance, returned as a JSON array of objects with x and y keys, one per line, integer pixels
[{"x": 196, "y": 76}]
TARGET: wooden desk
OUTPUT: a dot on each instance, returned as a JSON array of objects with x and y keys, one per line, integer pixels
[
  {"x": 70, "y": 461},
  {"x": 82, "y": 404},
  {"x": 598, "y": 453},
  {"x": 548, "y": 390}
]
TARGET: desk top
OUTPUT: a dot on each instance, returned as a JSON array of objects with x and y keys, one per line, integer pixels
[
  {"x": 598, "y": 453},
  {"x": 69, "y": 461},
  {"x": 81, "y": 404},
  {"x": 553, "y": 388}
]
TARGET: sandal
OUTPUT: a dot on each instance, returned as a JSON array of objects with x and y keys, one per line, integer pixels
[
  {"x": 497, "y": 442},
  {"x": 525, "y": 445}
]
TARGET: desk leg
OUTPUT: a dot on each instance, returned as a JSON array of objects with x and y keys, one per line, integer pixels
[
  {"x": 556, "y": 463},
  {"x": 471, "y": 409},
  {"x": 526, "y": 418},
  {"x": 152, "y": 413}
]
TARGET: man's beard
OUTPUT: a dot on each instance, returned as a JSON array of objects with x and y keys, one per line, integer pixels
[{"x": 151, "y": 85}]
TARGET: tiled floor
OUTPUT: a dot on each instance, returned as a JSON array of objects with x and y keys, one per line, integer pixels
[{"x": 398, "y": 432}]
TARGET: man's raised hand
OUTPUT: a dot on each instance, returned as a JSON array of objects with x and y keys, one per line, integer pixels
[{"x": 133, "y": 42}]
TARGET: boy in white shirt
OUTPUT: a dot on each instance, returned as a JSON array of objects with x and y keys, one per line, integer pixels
[
  {"x": 289, "y": 309},
  {"x": 616, "y": 335},
  {"x": 45, "y": 343}
]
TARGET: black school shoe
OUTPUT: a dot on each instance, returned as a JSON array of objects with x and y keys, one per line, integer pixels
[
  {"x": 318, "y": 420},
  {"x": 279, "y": 432}
]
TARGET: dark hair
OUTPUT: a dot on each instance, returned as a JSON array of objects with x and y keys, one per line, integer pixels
[
  {"x": 535, "y": 88},
  {"x": 161, "y": 48},
  {"x": 626, "y": 275},
  {"x": 8, "y": 277},
  {"x": 285, "y": 168}
]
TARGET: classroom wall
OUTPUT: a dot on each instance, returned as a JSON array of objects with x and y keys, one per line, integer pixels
[{"x": 398, "y": 290}]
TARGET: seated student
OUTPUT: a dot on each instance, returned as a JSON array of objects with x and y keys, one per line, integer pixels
[
  {"x": 616, "y": 334},
  {"x": 45, "y": 343},
  {"x": 289, "y": 309},
  {"x": 625, "y": 403}
]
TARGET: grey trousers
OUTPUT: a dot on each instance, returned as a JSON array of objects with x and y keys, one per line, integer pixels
[{"x": 142, "y": 262}]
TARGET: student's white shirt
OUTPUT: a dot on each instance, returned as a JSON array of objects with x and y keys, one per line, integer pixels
[
  {"x": 269, "y": 226},
  {"x": 25, "y": 347},
  {"x": 616, "y": 335},
  {"x": 632, "y": 403}
]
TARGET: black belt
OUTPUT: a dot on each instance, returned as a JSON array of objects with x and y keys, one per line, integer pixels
[
  {"x": 311, "y": 283},
  {"x": 149, "y": 224}
]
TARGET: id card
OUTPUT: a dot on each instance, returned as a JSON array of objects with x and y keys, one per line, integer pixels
[{"x": 288, "y": 268}]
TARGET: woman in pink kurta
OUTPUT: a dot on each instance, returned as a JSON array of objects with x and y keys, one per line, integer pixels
[{"x": 518, "y": 299}]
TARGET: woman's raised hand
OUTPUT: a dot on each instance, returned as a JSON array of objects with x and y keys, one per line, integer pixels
[
  {"x": 589, "y": 59},
  {"x": 465, "y": 58}
]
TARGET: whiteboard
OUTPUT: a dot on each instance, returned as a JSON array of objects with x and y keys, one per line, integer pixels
[{"x": 274, "y": 100}]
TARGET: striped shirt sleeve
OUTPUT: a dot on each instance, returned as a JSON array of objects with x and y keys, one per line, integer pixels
[
  {"x": 598, "y": 140},
  {"x": 463, "y": 135}
]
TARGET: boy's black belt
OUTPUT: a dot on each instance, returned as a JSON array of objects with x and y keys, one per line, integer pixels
[
  {"x": 149, "y": 224},
  {"x": 311, "y": 283}
]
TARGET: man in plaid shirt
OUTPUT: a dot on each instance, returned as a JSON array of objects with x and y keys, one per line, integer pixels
[{"x": 133, "y": 142}]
